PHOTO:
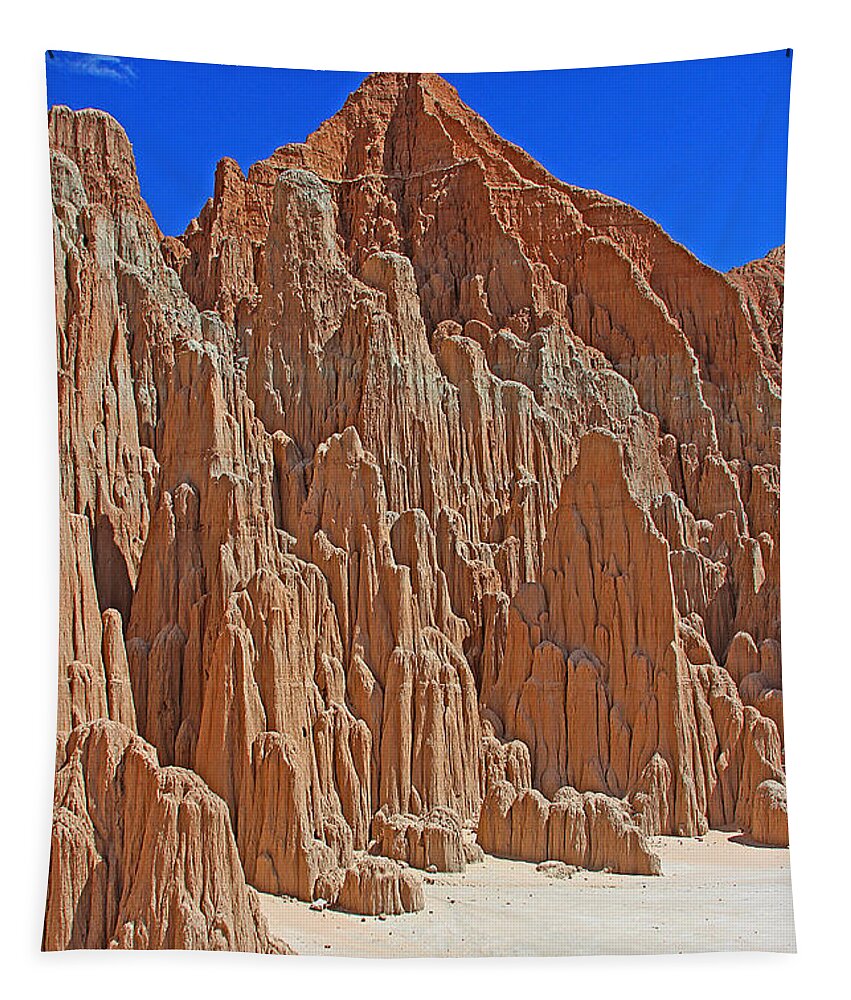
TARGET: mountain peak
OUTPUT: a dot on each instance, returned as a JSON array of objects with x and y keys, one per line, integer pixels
[{"x": 399, "y": 124}]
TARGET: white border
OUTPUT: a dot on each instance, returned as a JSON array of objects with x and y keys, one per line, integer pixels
[{"x": 445, "y": 36}]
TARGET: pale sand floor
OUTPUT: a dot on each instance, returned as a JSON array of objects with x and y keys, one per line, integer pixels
[{"x": 716, "y": 894}]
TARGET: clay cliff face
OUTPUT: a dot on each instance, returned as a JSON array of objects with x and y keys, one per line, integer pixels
[
  {"x": 410, "y": 491},
  {"x": 143, "y": 856}
]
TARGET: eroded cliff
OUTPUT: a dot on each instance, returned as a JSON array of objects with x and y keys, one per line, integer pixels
[{"x": 410, "y": 482}]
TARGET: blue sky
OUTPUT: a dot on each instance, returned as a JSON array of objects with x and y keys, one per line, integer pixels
[{"x": 698, "y": 146}]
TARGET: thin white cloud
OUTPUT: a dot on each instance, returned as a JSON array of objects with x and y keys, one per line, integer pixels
[{"x": 107, "y": 67}]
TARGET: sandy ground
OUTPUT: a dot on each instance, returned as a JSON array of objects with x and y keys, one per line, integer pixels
[{"x": 716, "y": 894}]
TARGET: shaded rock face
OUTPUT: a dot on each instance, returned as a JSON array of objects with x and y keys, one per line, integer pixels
[{"x": 409, "y": 479}]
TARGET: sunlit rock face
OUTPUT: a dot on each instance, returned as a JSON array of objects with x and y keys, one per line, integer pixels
[{"x": 410, "y": 482}]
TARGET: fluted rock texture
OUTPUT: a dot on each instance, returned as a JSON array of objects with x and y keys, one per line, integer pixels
[
  {"x": 143, "y": 856},
  {"x": 434, "y": 841},
  {"x": 579, "y": 828},
  {"x": 409, "y": 486},
  {"x": 374, "y": 886}
]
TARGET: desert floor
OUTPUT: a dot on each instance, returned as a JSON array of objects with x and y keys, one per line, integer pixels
[{"x": 716, "y": 894}]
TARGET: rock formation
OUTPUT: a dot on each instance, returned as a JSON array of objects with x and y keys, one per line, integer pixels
[
  {"x": 762, "y": 283},
  {"x": 143, "y": 856},
  {"x": 374, "y": 886},
  {"x": 585, "y": 829},
  {"x": 434, "y": 841},
  {"x": 411, "y": 488}
]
